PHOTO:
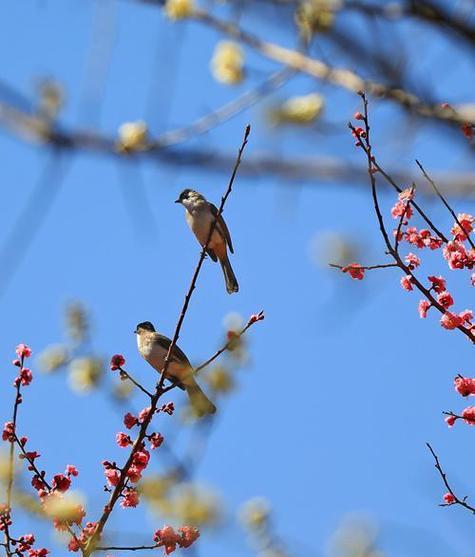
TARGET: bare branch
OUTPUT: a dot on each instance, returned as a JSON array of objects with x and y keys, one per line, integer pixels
[{"x": 457, "y": 500}]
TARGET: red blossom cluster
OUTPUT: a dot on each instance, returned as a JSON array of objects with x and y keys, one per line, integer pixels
[
  {"x": 51, "y": 493},
  {"x": 87, "y": 532},
  {"x": 465, "y": 386},
  {"x": 449, "y": 499},
  {"x": 402, "y": 209},
  {"x": 355, "y": 270},
  {"x": 455, "y": 252},
  {"x": 167, "y": 538},
  {"x": 256, "y": 317},
  {"x": 60, "y": 483},
  {"x": 419, "y": 238},
  {"x": 140, "y": 457},
  {"x": 117, "y": 361}
]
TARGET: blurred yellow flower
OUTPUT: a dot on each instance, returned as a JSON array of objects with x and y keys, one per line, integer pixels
[
  {"x": 64, "y": 508},
  {"x": 299, "y": 110},
  {"x": 178, "y": 9},
  {"x": 133, "y": 136},
  {"x": 233, "y": 321},
  {"x": 355, "y": 537},
  {"x": 123, "y": 389},
  {"x": 53, "y": 357},
  {"x": 155, "y": 488},
  {"x": 76, "y": 321},
  {"x": 227, "y": 63},
  {"x": 85, "y": 373},
  {"x": 315, "y": 15},
  {"x": 255, "y": 513},
  {"x": 51, "y": 98},
  {"x": 195, "y": 506},
  {"x": 330, "y": 245},
  {"x": 4, "y": 467},
  {"x": 220, "y": 380}
]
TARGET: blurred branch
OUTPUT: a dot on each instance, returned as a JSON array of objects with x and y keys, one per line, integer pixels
[
  {"x": 227, "y": 111},
  {"x": 342, "y": 78},
  {"x": 305, "y": 169},
  {"x": 15, "y": 246}
]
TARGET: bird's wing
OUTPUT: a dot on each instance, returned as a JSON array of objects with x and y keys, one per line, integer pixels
[
  {"x": 222, "y": 226},
  {"x": 177, "y": 353}
]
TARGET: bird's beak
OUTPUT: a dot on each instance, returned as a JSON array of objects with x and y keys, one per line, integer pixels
[
  {"x": 136, "y": 332},
  {"x": 177, "y": 201}
]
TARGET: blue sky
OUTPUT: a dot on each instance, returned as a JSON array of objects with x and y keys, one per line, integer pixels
[{"x": 345, "y": 383}]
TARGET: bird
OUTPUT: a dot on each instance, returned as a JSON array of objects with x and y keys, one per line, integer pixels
[
  {"x": 200, "y": 214},
  {"x": 153, "y": 347}
]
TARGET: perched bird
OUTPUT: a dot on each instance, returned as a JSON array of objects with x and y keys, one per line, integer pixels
[
  {"x": 200, "y": 214},
  {"x": 153, "y": 347}
]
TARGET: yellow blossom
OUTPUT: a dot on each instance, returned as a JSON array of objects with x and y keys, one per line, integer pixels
[
  {"x": 178, "y": 9},
  {"x": 299, "y": 110},
  {"x": 85, "y": 373},
  {"x": 315, "y": 15},
  {"x": 220, "y": 380},
  {"x": 123, "y": 389},
  {"x": 76, "y": 321},
  {"x": 227, "y": 63},
  {"x": 4, "y": 467},
  {"x": 64, "y": 508},
  {"x": 155, "y": 488},
  {"x": 133, "y": 136},
  {"x": 195, "y": 506},
  {"x": 356, "y": 537},
  {"x": 254, "y": 514},
  {"x": 51, "y": 98},
  {"x": 53, "y": 357}
]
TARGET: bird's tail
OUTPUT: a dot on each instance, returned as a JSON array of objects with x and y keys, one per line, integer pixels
[
  {"x": 200, "y": 403},
  {"x": 229, "y": 276}
]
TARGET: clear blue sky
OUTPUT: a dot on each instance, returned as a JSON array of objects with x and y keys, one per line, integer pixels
[{"x": 345, "y": 383}]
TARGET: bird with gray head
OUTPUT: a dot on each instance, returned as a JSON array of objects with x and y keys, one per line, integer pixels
[
  {"x": 153, "y": 347},
  {"x": 200, "y": 214}
]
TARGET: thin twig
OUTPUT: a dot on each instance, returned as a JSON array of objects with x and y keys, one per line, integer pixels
[
  {"x": 227, "y": 345},
  {"x": 127, "y": 375},
  {"x": 366, "y": 268},
  {"x": 441, "y": 197},
  {"x": 118, "y": 548},
  {"x": 32, "y": 464},
  {"x": 391, "y": 181},
  {"x": 443, "y": 475}
]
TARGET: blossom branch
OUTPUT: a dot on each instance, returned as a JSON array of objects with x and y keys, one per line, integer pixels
[
  {"x": 454, "y": 500},
  {"x": 364, "y": 267},
  {"x": 364, "y": 140},
  {"x": 11, "y": 467},
  {"x": 138, "y": 443}
]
